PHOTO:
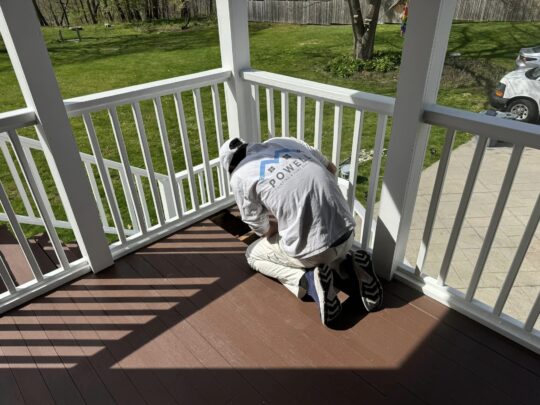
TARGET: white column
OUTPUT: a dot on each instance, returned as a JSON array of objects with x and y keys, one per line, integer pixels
[
  {"x": 28, "y": 53},
  {"x": 424, "y": 50},
  {"x": 234, "y": 44}
]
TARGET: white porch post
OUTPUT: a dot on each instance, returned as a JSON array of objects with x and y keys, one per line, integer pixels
[
  {"x": 424, "y": 51},
  {"x": 28, "y": 53},
  {"x": 234, "y": 44}
]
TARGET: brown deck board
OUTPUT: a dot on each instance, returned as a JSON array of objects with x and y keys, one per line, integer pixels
[
  {"x": 14, "y": 258},
  {"x": 298, "y": 345},
  {"x": 495, "y": 371},
  {"x": 67, "y": 346},
  {"x": 131, "y": 352},
  {"x": 25, "y": 371},
  {"x": 233, "y": 385},
  {"x": 104, "y": 335},
  {"x": 59, "y": 381},
  {"x": 185, "y": 320}
]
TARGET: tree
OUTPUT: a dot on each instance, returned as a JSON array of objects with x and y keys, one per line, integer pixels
[
  {"x": 42, "y": 20},
  {"x": 364, "y": 28}
]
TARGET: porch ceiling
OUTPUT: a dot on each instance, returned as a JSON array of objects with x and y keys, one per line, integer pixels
[{"x": 185, "y": 320}]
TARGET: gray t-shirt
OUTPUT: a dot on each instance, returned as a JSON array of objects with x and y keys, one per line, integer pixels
[{"x": 287, "y": 178}]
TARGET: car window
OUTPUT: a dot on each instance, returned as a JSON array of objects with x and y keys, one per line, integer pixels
[
  {"x": 536, "y": 49},
  {"x": 533, "y": 74}
]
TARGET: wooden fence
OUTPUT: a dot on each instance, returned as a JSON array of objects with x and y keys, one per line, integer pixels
[{"x": 326, "y": 12}]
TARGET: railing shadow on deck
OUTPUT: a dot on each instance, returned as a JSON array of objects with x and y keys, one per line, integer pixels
[{"x": 185, "y": 320}]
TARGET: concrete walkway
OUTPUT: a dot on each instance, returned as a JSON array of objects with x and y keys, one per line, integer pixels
[{"x": 517, "y": 212}]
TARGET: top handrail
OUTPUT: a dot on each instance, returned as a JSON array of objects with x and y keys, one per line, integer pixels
[
  {"x": 98, "y": 101},
  {"x": 16, "y": 119},
  {"x": 339, "y": 95},
  {"x": 514, "y": 132},
  {"x": 25, "y": 117}
]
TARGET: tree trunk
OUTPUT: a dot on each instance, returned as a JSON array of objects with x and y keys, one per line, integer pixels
[
  {"x": 165, "y": 10},
  {"x": 83, "y": 11},
  {"x": 64, "y": 12},
  {"x": 147, "y": 14},
  {"x": 364, "y": 28},
  {"x": 155, "y": 5},
  {"x": 133, "y": 12},
  {"x": 55, "y": 18},
  {"x": 107, "y": 12},
  {"x": 92, "y": 12},
  {"x": 120, "y": 10},
  {"x": 42, "y": 21}
]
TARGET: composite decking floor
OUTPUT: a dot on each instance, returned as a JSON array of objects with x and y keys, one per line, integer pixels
[{"x": 186, "y": 321}]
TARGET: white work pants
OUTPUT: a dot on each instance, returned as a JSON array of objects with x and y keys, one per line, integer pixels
[{"x": 266, "y": 256}]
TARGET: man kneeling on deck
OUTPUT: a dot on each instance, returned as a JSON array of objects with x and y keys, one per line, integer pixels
[{"x": 287, "y": 192}]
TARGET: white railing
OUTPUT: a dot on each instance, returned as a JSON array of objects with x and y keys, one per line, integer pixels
[
  {"x": 338, "y": 98},
  {"x": 453, "y": 120},
  {"x": 38, "y": 279},
  {"x": 520, "y": 136},
  {"x": 173, "y": 207}
]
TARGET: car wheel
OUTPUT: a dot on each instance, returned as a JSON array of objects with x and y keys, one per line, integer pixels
[{"x": 525, "y": 110}]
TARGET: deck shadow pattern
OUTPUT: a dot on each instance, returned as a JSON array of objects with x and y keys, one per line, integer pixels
[{"x": 185, "y": 320}]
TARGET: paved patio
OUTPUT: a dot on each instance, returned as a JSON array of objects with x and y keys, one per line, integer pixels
[{"x": 517, "y": 212}]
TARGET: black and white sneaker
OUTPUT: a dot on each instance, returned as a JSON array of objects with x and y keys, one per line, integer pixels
[
  {"x": 371, "y": 290},
  {"x": 321, "y": 289}
]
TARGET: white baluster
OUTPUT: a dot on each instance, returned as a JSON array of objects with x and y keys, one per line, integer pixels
[
  {"x": 355, "y": 152},
  {"x": 374, "y": 179},
  {"x": 129, "y": 202},
  {"x": 521, "y": 252},
  {"x": 17, "y": 179},
  {"x": 201, "y": 188},
  {"x": 168, "y": 157},
  {"x": 224, "y": 184},
  {"x": 6, "y": 277},
  {"x": 143, "y": 140},
  {"x": 142, "y": 194},
  {"x": 284, "y": 114},
  {"x": 462, "y": 209},
  {"x": 187, "y": 150},
  {"x": 300, "y": 117},
  {"x": 199, "y": 115},
  {"x": 533, "y": 315},
  {"x": 25, "y": 246},
  {"x": 319, "y": 109},
  {"x": 131, "y": 192},
  {"x": 40, "y": 197},
  {"x": 435, "y": 199},
  {"x": 95, "y": 190},
  {"x": 105, "y": 178},
  {"x": 495, "y": 220},
  {"x": 270, "y": 113},
  {"x": 257, "y": 112},
  {"x": 336, "y": 146}
]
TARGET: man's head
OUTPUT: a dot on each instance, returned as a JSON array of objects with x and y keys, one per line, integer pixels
[{"x": 231, "y": 153}]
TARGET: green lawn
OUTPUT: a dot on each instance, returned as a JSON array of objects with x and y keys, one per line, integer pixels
[{"x": 131, "y": 54}]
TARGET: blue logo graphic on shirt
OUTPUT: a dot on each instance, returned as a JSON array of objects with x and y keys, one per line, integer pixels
[{"x": 279, "y": 153}]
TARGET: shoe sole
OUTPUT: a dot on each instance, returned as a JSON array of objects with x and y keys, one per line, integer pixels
[
  {"x": 330, "y": 307},
  {"x": 372, "y": 293}
]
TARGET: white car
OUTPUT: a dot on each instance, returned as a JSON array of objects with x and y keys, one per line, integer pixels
[
  {"x": 528, "y": 57},
  {"x": 519, "y": 93}
]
